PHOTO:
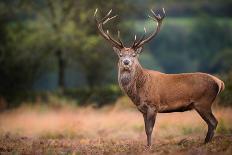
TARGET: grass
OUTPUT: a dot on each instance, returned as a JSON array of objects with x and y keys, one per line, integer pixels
[
  {"x": 223, "y": 128},
  {"x": 187, "y": 130},
  {"x": 109, "y": 130}
]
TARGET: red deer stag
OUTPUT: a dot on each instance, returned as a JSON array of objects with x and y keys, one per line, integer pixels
[{"x": 155, "y": 92}]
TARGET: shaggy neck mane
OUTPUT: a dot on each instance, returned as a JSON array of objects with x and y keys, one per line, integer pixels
[{"x": 131, "y": 81}]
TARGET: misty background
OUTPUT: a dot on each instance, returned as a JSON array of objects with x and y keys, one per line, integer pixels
[{"x": 53, "y": 47}]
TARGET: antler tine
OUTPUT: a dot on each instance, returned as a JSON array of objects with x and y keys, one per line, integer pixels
[
  {"x": 164, "y": 13},
  {"x": 141, "y": 39},
  {"x": 134, "y": 42},
  {"x": 106, "y": 16},
  {"x": 106, "y": 34},
  {"x": 145, "y": 30},
  {"x": 158, "y": 18},
  {"x": 95, "y": 13},
  {"x": 119, "y": 38},
  {"x": 153, "y": 12},
  {"x": 108, "y": 19}
]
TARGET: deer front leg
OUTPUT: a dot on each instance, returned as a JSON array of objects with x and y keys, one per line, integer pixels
[{"x": 149, "y": 121}]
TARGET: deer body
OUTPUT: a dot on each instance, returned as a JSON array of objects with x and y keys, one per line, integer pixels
[
  {"x": 154, "y": 92},
  {"x": 169, "y": 92}
]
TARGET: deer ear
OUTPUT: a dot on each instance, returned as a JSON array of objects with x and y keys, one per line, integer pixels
[
  {"x": 116, "y": 50},
  {"x": 139, "y": 50}
]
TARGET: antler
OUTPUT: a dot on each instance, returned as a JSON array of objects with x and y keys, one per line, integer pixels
[
  {"x": 106, "y": 34},
  {"x": 142, "y": 41}
]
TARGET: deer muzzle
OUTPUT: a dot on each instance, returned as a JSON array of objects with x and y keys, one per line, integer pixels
[{"x": 126, "y": 64}]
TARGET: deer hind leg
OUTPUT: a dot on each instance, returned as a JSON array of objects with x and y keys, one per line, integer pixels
[
  {"x": 211, "y": 121},
  {"x": 149, "y": 120}
]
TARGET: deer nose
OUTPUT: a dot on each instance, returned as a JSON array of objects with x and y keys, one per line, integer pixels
[{"x": 126, "y": 62}]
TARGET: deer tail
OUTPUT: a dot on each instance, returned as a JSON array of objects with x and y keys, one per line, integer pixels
[
  {"x": 220, "y": 83},
  {"x": 222, "y": 86}
]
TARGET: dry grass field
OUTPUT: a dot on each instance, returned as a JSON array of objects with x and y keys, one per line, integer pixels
[{"x": 114, "y": 129}]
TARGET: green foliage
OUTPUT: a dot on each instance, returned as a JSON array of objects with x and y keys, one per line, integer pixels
[
  {"x": 40, "y": 37},
  {"x": 19, "y": 67},
  {"x": 192, "y": 44},
  {"x": 148, "y": 61},
  {"x": 212, "y": 37},
  {"x": 171, "y": 48},
  {"x": 226, "y": 95},
  {"x": 190, "y": 130},
  {"x": 97, "y": 95},
  {"x": 222, "y": 61},
  {"x": 223, "y": 128}
]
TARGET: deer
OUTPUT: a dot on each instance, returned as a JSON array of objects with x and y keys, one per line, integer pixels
[{"x": 155, "y": 92}]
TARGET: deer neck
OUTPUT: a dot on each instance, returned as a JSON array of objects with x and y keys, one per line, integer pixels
[{"x": 131, "y": 81}]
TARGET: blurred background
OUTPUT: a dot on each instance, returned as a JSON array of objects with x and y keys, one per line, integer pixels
[
  {"x": 58, "y": 77},
  {"x": 51, "y": 49}
]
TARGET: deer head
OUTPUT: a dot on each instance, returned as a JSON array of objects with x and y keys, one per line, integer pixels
[{"x": 128, "y": 57}]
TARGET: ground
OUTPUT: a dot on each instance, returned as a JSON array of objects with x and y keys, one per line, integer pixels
[
  {"x": 115, "y": 129},
  {"x": 181, "y": 145}
]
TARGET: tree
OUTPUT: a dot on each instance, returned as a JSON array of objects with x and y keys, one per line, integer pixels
[
  {"x": 18, "y": 66},
  {"x": 66, "y": 30}
]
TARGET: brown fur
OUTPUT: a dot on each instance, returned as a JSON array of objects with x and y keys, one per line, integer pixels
[
  {"x": 153, "y": 91},
  {"x": 172, "y": 92}
]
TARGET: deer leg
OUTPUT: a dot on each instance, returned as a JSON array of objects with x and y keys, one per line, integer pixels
[
  {"x": 149, "y": 120},
  {"x": 211, "y": 121}
]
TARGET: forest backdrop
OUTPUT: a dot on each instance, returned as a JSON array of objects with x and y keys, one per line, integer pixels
[{"x": 53, "y": 48}]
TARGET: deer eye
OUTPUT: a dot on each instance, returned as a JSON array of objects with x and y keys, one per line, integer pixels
[
  {"x": 133, "y": 54},
  {"x": 120, "y": 54}
]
